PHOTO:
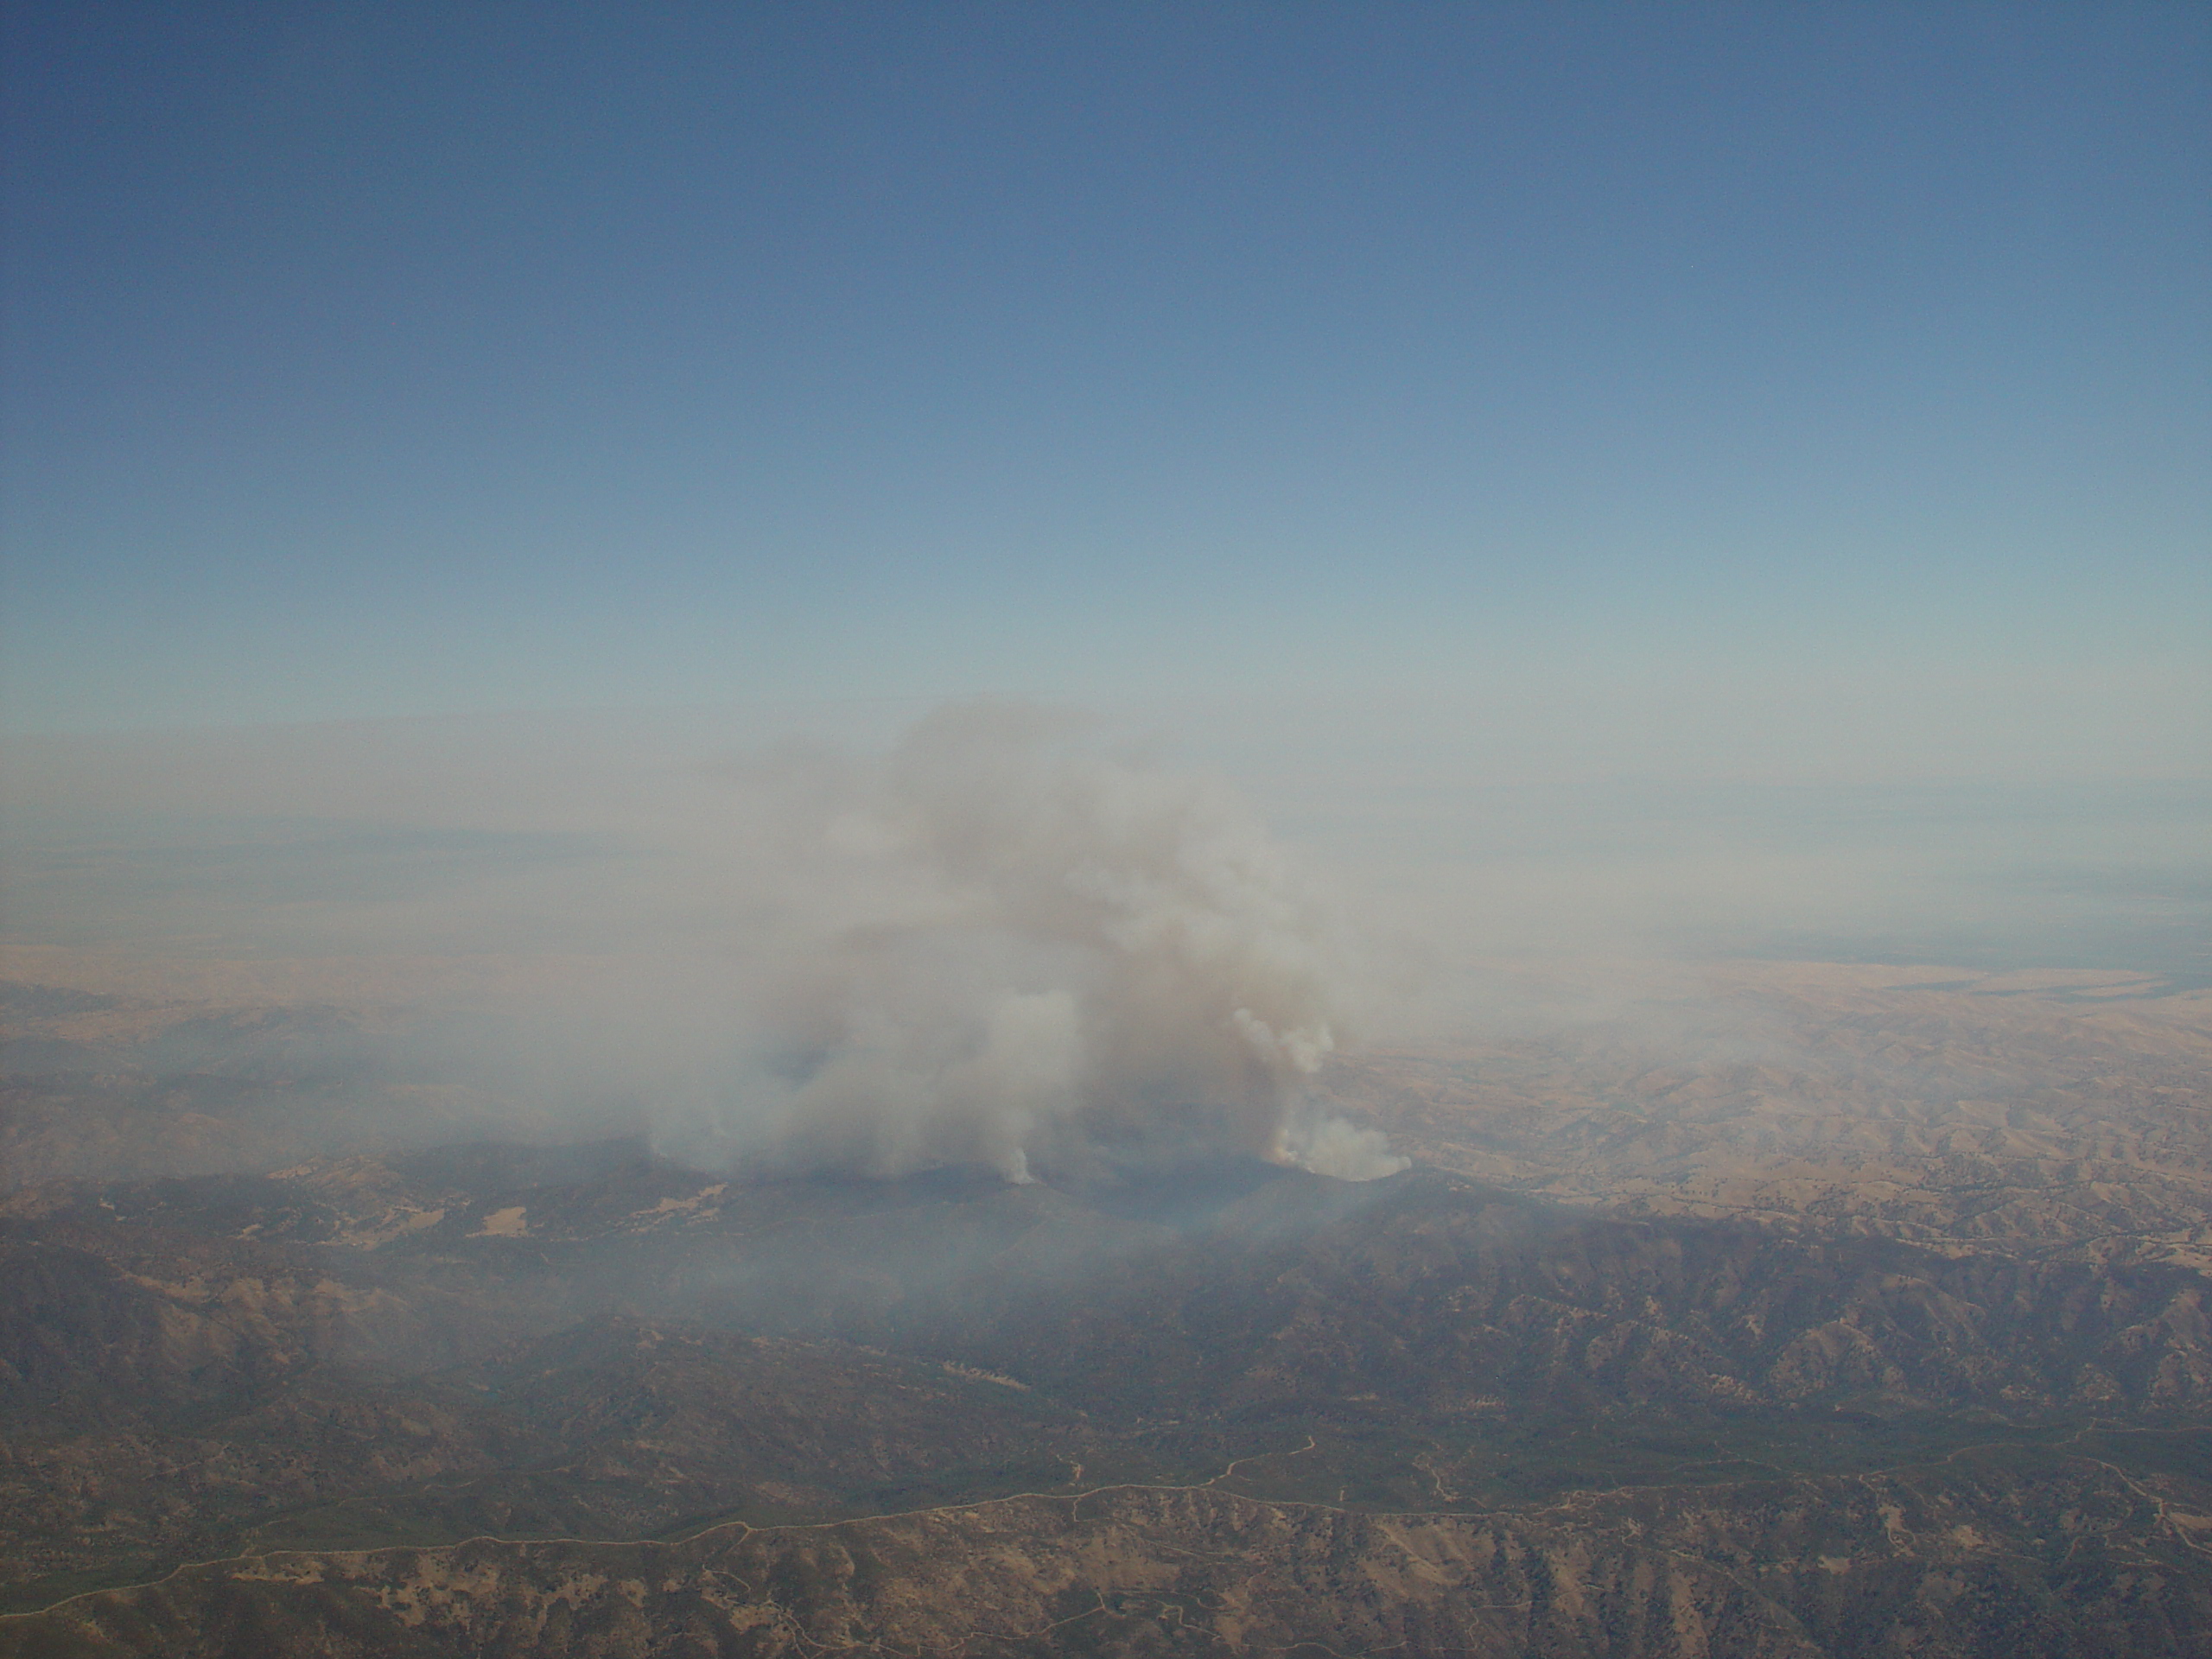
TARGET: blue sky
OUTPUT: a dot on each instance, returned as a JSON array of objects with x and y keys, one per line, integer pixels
[{"x": 396, "y": 359}]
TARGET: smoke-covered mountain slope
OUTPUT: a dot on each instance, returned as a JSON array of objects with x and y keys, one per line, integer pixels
[
  {"x": 1263, "y": 1287},
  {"x": 1869, "y": 1323},
  {"x": 588, "y": 1342}
]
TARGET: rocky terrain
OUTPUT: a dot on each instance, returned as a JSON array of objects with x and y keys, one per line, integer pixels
[
  {"x": 2060, "y": 1113},
  {"x": 1926, "y": 1562},
  {"x": 1827, "y": 1310}
]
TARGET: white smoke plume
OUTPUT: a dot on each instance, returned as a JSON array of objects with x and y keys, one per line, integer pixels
[{"x": 1050, "y": 960}]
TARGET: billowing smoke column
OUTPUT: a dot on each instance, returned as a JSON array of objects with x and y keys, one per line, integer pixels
[{"x": 1068, "y": 964}]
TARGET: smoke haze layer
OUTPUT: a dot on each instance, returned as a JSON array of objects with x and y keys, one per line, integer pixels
[
  {"x": 998, "y": 939},
  {"x": 1028, "y": 953}
]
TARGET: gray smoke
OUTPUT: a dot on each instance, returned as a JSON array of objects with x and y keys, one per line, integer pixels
[{"x": 1001, "y": 945}]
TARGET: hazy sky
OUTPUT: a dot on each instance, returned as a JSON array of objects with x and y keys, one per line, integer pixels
[{"x": 1832, "y": 378}]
